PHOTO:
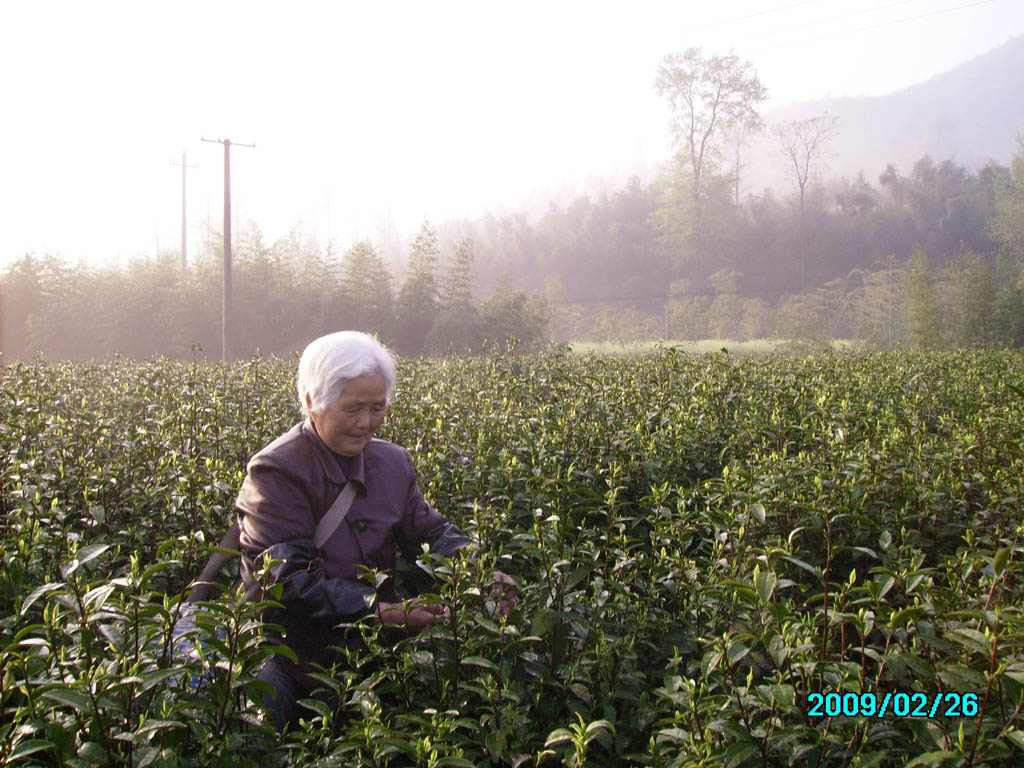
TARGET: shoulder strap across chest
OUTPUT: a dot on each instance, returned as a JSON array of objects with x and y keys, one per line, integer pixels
[{"x": 332, "y": 518}]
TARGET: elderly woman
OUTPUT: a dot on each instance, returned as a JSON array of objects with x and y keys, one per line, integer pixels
[{"x": 345, "y": 384}]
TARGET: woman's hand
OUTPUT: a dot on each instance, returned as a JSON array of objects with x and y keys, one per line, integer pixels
[
  {"x": 505, "y": 589},
  {"x": 414, "y": 615}
]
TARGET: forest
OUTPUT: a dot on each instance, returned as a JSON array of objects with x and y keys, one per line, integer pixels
[{"x": 925, "y": 257}]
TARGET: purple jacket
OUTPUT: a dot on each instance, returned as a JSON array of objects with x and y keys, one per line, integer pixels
[{"x": 289, "y": 486}]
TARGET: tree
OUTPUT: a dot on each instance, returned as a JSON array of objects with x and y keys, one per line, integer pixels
[
  {"x": 974, "y": 298},
  {"x": 712, "y": 99},
  {"x": 1008, "y": 307},
  {"x": 418, "y": 298},
  {"x": 877, "y": 293},
  {"x": 149, "y": 317},
  {"x": 308, "y": 310},
  {"x": 456, "y": 326},
  {"x": 923, "y": 330},
  {"x": 457, "y": 283},
  {"x": 21, "y": 288},
  {"x": 739, "y": 133},
  {"x": 366, "y": 290},
  {"x": 726, "y": 309},
  {"x": 757, "y": 321},
  {"x": 855, "y": 198},
  {"x": 944, "y": 207},
  {"x": 804, "y": 144},
  {"x": 1008, "y": 222},
  {"x": 687, "y": 314},
  {"x": 516, "y": 314},
  {"x": 708, "y": 97},
  {"x": 271, "y": 309}
]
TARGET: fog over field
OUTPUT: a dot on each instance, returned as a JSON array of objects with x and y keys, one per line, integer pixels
[{"x": 366, "y": 120}]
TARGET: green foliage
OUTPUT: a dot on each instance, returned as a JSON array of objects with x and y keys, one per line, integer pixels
[
  {"x": 804, "y": 145},
  {"x": 708, "y": 95},
  {"x": 713, "y": 100},
  {"x": 615, "y": 265},
  {"x": 458, "y": 326},
  {"x": 1008, "y": 304},
  {"x": 923, "y": 317},
  {"x": 367, "y": 295},
  {"x": 515, "y": 316},
  {"x": 971, "y": 303},
  {"x": 284, "y": 294},
  {"x": 975, "y": 293},
  {"x": 1008, "y": 221},
  {"x": 701, "y": 542},
  {"x": 418, "y": 298}
]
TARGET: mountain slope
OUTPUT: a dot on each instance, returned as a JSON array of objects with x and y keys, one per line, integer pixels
[{"x": 970, "y": 114}]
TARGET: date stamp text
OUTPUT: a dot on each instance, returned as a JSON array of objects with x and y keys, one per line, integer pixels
[{"x": 901, "y": 704}]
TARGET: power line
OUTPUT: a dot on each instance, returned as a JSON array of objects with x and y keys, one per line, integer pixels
[
  {"x": 841, "y": 17},
  {"x": 670, "y": 297},
  {"x": 707, "y": 293},
  {"x": 860, "y": 12},
  {"x": 761, "y": 13},
  {"x": 891, "y": 22}
]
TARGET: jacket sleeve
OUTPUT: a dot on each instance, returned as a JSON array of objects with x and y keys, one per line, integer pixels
[
  {"x": 421, "y": 523},
  {"x": 308, "y": 591},
  {"x": 277, "y": 520}
]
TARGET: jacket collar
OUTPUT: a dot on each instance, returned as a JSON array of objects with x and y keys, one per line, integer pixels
[{"x": 326, "y": 458}]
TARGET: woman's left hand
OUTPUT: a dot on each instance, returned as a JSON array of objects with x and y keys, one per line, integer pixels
[
  {"x": 504, "y": 588},
  {"x": 413, "y": 615}
]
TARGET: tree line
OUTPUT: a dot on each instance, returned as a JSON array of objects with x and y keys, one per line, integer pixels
[
  {"x": 613, "y": 271},
  {"x": 686, "y": 256},
  {"x": 913, "y": 257},
  {"x": 284, "y": 294}
]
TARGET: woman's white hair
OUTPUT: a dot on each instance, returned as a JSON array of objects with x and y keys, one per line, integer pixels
[{"x": 330, "y": 362}]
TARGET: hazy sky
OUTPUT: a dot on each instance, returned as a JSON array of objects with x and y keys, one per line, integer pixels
[{"x": 412, "y": 110}]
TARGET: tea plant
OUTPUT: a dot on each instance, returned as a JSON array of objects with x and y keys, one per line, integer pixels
[{"x": 701, "y": 543}]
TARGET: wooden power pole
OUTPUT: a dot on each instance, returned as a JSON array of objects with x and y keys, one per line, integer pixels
[
  {"x": 184, "y": 229},
  {"x": 227, "y": 353}
]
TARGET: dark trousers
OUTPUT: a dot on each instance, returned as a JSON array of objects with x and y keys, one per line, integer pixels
[{"x": 290, "y": 684}]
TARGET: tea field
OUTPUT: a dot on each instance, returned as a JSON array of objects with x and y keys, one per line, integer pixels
[{"x": 724, "y": 561}]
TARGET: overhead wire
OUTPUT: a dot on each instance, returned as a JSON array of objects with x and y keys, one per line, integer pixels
[
  {"x": 903, "y": 20},
  {"x": 649, "y": 297},
  {"x": 762, "y": 13},
  {"x": 860, "y": 12},
  {"x": 851, "y": 14}
]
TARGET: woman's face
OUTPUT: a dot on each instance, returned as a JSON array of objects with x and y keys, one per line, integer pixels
[{"x": 347, "y": 424}]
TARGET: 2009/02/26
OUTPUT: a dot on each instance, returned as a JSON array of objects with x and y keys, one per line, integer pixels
[{"x": 949, "y": 704}]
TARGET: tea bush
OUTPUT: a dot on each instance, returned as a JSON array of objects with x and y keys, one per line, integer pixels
[{"x": 702, "y": 542}]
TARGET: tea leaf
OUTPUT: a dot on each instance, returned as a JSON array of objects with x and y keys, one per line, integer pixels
[
  {"x": 67, "y": 697},
  {"x": 29, "y": 747},
  {"x": 37, "y": 593}
]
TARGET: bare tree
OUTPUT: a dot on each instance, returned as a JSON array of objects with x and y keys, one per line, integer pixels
[{"x": 804, "y": 144}]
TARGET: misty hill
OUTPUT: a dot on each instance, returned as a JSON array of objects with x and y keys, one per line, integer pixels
[{"x": 969, "y": 114}]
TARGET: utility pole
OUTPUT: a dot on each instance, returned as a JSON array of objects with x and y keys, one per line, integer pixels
[
  {"x": 226, "y": 345},
  {"x": 184, "y": 258}
]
